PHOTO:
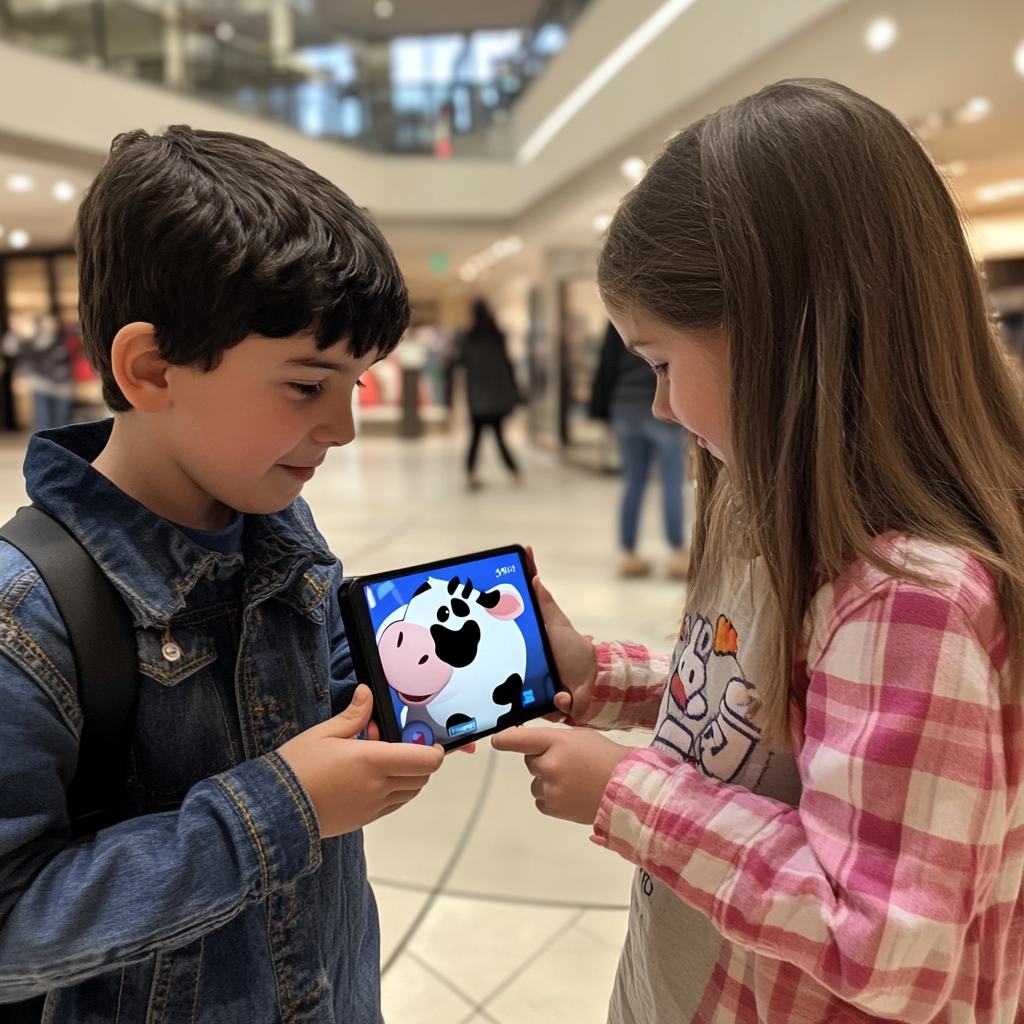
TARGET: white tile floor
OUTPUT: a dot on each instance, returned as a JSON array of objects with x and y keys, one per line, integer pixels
[{"x": 489, "y": 911}]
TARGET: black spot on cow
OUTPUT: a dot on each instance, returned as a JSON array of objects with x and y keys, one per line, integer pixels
[
  {"x": 453, "y": 584},
  {"x": 443, "y": 613},
  {"x": 509, "y": 692},
  {"x": 490, "y": 599},
  {"x": 422, "y": 589},
  {"x": 456, "y": 647},
  {"x": 468, "y": 588},
  {"x": 460, "y": 607}
]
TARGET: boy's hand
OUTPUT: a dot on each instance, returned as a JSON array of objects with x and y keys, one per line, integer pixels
[
  {"x": 571, "y": 768},
  {"x": 575, "y": 657},
  {"x": 352, "y": 782}
]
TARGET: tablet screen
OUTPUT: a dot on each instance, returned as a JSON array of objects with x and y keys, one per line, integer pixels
[{"x": 461, "y": 648}]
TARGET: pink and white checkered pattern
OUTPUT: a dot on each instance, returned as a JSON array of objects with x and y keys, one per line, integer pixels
[{"x": 894, "y": 890}]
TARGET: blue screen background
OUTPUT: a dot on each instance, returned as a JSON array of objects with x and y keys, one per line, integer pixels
[{"x": 387, "y": 596}]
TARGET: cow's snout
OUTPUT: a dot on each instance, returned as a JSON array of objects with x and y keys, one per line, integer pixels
[{"x": 410, "y": 664}]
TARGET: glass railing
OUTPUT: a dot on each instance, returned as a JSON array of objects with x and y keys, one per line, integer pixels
[{"x": 283, "y": 60}]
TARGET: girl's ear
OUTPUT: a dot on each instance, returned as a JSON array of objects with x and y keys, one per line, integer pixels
[{"x": 140, "y": 372}]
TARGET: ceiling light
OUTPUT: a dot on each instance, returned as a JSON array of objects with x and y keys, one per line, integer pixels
[
  {"x": 602, "y": 222},
  {"x": 881, "y": 34},
  {"x": 1018, "y": 59},
  {"x": 636, "y": 42},
  {"x": 1000, "y": 190},
  {"x": 383, "y": 9},
  {"x": 224, "y": 31},
  {"x": 64, "y": 191},
  {"x": 634, "y": 168},
  {"x": 20, "y": 183},
  {"x": 19, "y": 238},
  {"x": 976, "y": 109}
]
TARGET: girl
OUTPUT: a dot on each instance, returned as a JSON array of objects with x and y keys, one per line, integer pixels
[{"x": 829, "y": 822}]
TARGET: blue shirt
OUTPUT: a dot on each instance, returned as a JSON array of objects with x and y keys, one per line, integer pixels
[{"x": 218, "y": 901}]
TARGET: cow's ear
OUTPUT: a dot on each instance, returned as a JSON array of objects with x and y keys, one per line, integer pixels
[{"x": 504, "y": 601}]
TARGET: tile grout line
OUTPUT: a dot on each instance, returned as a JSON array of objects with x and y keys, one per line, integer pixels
[
  {"x": 533, "y": 958},
  {"x": 484, "y": 897},
  {"x": 448, "y": 983},
  {"x": 453, "y": 860}
]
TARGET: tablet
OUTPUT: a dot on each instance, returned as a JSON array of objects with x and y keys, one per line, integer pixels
[{"x": 453, "y": 650}]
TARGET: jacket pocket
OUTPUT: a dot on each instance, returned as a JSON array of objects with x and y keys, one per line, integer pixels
[{"x": 174, "y": 654}]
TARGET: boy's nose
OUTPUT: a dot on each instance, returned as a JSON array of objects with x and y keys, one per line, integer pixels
[{"x": 338, "y": 428}]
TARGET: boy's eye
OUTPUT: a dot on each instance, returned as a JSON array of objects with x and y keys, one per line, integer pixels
[
  {"x": 360, "y": 384},
  {"x": 661, "y": 370},
  {"x": 308, "y": 390}
]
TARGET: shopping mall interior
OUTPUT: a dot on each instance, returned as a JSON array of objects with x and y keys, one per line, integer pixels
[{"x": 491, "y": 143}]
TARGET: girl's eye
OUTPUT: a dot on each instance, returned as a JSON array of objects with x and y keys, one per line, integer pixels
[{"x": 308, "y": 390}]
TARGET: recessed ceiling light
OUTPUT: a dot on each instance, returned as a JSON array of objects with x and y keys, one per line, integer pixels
[
  {"x": 1000, "y": 190},
  {"x": 634, "y": 168},
  {"x": 384, "y": 9},
  {"x": 602, "y": 222},
  {"x": 881, "y": 34},
  {"x": 976, "y": 109},
  {"x": 64, "y": 191},
  {"x": 1018, "y": 59},
  {"x": 20, "y": 183},
  {"x": 19, "y": 238},
  {"x": 225, "y": 31}
]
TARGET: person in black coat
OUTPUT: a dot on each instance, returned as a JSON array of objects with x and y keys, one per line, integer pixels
[
  {"x": 490, "y": 384},
  {"x": 624, "y": 393}
]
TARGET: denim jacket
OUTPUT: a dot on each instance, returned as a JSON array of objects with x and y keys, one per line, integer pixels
[{"x": 217, "y": 902}]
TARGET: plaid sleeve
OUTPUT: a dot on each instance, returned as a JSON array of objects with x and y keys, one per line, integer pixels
[
  {"x": 630, "y": 683},
  {"x": 896, "y": 883}
]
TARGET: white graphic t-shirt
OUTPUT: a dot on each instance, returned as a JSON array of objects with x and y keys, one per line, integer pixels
[{"x": 671, "y": 949}]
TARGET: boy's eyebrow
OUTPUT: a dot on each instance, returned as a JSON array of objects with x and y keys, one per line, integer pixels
[{"x": 316, "y": 364}]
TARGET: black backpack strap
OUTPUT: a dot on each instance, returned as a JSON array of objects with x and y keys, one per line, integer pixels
[{"x": 103, "y": 643}]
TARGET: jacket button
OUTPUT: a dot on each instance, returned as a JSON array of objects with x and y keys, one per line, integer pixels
[{"x": 171, "y": 651}]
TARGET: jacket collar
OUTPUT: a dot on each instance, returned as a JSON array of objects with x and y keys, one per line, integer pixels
[{"x": 153, "y": 564}]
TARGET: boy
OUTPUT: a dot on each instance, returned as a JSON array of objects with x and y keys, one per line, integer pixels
[{"x": 230, "y": 300}]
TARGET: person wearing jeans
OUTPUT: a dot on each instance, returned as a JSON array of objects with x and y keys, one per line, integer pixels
[{"x": 624, "y": 393}]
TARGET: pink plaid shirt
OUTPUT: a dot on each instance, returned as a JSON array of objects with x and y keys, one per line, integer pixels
[{"x": 894, "y": 890}]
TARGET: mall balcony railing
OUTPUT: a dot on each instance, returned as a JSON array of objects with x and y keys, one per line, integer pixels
[{"x": 426, "y": 94}]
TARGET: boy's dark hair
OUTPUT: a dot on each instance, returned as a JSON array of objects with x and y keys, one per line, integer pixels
[{"x": 212, "y": 237}]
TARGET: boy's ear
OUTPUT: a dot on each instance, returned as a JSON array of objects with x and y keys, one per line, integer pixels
[{"x": 138, "y": 369}]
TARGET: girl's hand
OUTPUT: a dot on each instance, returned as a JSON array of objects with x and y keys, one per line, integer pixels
[
  {"x": 571, "y": 768},
  {"x": 575, "y": 657}
]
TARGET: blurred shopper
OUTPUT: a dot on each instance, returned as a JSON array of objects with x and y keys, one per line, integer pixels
[
  {"x": 624, "y": 390},
  {"x": 828, "y": 824},
  {"x": 44, "y": 360},
  {"x": 490, "y": 385},
  {"x": 232, "y": 885}
]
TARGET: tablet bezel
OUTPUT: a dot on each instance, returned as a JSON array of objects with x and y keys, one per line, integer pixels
[{"x": 358, "y": 624}]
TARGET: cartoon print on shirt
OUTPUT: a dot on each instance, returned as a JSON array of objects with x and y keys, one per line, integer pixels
[{"x": 708, "y": 663}]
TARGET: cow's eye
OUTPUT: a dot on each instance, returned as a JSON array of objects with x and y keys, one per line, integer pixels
[{"x": 443, "y": 613}]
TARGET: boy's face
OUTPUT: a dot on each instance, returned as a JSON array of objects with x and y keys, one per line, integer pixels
[{"x": 252, "y": 431}]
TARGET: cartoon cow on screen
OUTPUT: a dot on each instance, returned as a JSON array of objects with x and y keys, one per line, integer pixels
[{"x": 455, "y": 655}]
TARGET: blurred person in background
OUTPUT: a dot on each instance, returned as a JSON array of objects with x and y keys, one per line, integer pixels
[
  {"x": 490, "y": 385},
  {"x": 624, "y": 394},
  {"x": 41, "y": 353}
]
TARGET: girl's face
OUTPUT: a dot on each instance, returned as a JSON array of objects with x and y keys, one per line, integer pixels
[{"x": 693, "y": 376}]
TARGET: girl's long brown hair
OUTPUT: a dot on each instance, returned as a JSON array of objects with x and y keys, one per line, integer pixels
[{"x": 870, "y": 389}]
